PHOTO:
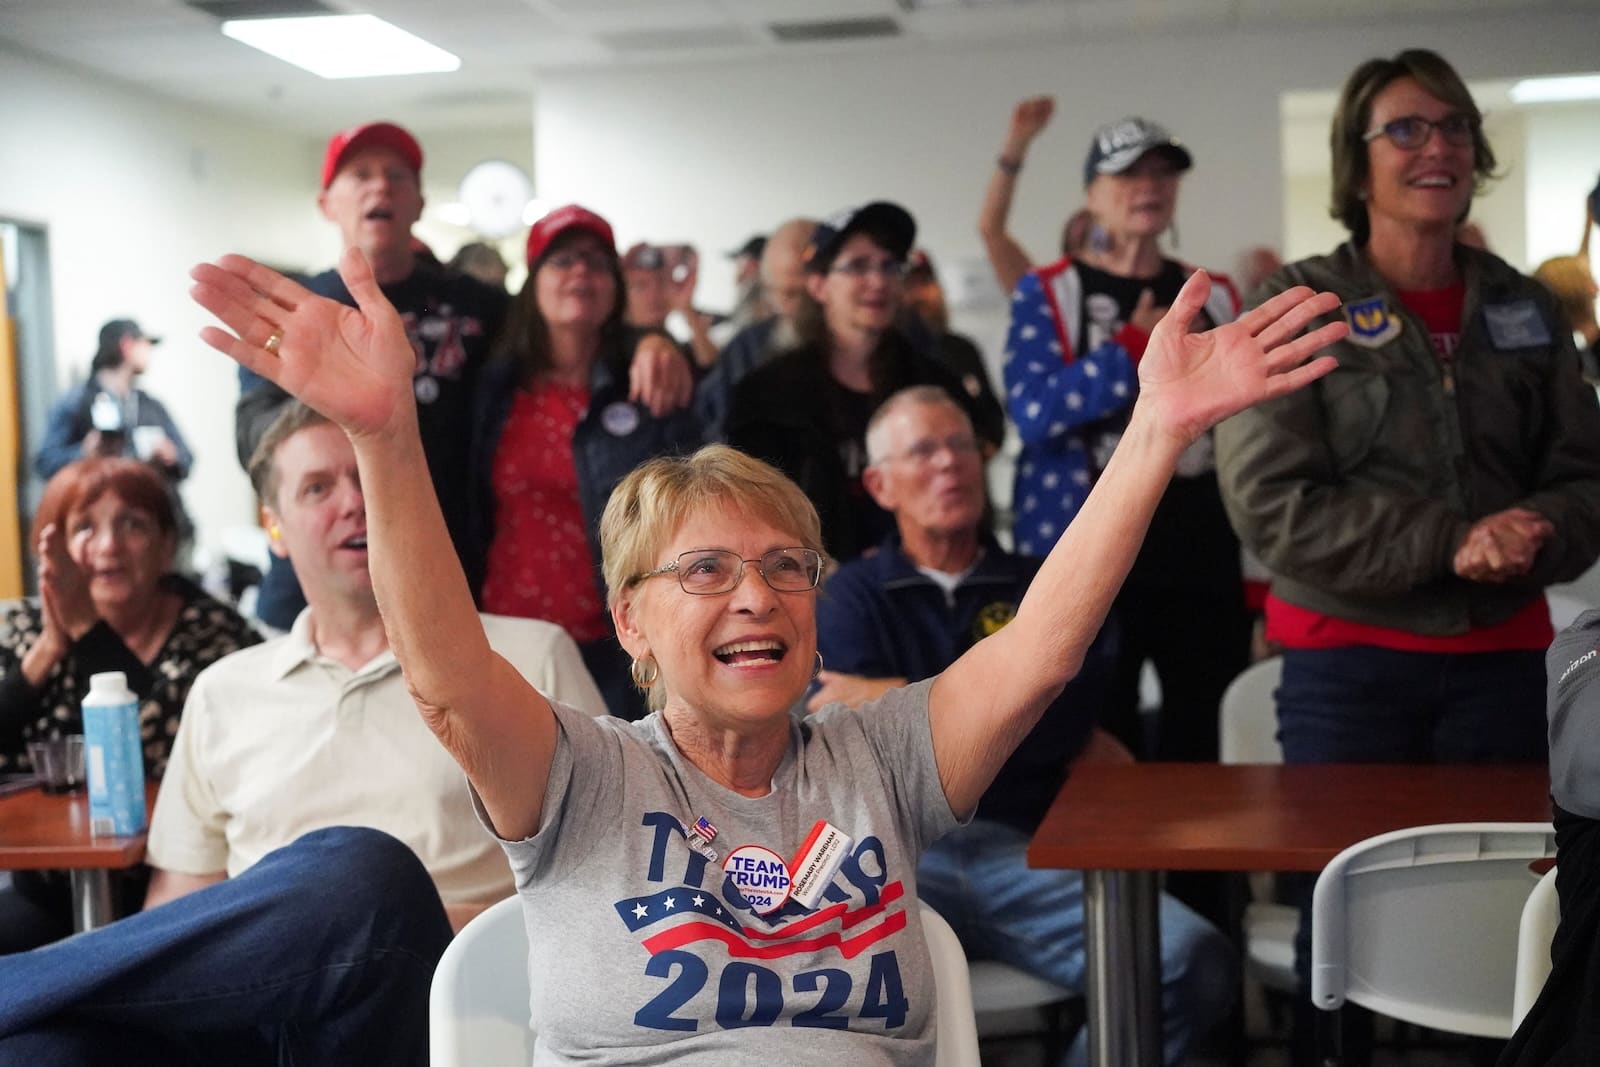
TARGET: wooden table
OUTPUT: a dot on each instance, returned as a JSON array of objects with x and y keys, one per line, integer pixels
[
  {"x": 43, "y": 832},
  {"x": 1123, "y": 823}
]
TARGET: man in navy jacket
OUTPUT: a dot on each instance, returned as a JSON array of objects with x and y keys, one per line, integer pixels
[{"x": 935, "y": 587}]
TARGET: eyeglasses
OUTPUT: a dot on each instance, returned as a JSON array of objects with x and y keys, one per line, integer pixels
[
  {"x": 594, "y": 261},
  {"x": 709, "y": 571},
  {"x": 892, "y": 270},
  {"x": 927, "y": 450},
  {"x": 1412, "y": 131}
]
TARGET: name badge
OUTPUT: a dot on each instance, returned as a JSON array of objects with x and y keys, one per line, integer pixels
[
  {"x": 1516, "y": 324},
  {"x": 760, "y": 877},
  {"x": 819, "y": 859},
  {"x": 1372, "y": 324}
]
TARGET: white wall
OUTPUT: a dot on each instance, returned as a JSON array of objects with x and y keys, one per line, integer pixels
[
  {"x": 1563, "y": 152},
  {"x": 134, "y": 190},
  {"x": 714, "y": 153}
]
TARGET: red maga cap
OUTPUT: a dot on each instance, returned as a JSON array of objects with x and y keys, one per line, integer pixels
[
  {"x": 561, "y": 220},
  {"x": 381, "y": 134}
]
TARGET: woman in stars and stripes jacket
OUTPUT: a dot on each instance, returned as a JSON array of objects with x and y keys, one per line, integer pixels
[{"x": 1078, "y": 330}]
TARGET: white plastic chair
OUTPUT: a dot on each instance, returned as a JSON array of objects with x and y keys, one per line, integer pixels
[
  {"x": 1540, "y": 917},
  {"x": 478, "y": 1003},
  {"x": 1421, "y": 924},
  {"x": 1247, "y": 732}
]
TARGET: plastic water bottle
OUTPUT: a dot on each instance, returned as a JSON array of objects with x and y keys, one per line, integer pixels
[{"x": 113, "y": 756}]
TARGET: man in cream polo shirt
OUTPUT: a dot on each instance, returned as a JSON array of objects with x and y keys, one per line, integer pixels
[{"x": 316, "y": 728}]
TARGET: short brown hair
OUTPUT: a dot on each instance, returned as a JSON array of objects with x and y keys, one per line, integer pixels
[
  {"x": 77, "y": 485},
  {"x": 263, "y": 466},
  {"x": 653, "y": 502},
  {"x": 1353, "y": 117}
]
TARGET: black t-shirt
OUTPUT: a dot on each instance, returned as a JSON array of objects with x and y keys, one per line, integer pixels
[
  {"x": 1189, "y": 544},
  {"x": 850, "y": 412},
  {"x": 451, "y": 320}
]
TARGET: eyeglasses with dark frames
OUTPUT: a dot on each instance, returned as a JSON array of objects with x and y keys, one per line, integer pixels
[
  {"x": 1412, "y": 131},
  {"x": 709, "y": 571}
]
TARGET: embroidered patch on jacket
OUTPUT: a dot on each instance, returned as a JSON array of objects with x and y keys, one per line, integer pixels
[
  {"x": 1516, "y": 324},
  {"x": 1371, "y": 322}
]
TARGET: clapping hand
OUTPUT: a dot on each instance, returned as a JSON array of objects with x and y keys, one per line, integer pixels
[
  {"x": 69, "y": 610},
  {"x": 353, "y": 365},
  {"x": 1192, "y": 381},
  {"x": 1502, "y": 546}
]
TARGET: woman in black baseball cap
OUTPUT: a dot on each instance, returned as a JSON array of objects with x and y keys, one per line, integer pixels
[{"x": 806, "y": 411}]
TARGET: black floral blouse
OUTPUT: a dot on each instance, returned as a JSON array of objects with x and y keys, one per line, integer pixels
[{"x": 205, "y": 631}]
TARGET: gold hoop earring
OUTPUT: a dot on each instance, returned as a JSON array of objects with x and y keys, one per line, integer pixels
[
  {"x": 645, "y": 671},
  {"x": 816, "y": 673}
]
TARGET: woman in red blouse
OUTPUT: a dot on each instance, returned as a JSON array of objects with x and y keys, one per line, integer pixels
[{"x": 573, "y": 400}]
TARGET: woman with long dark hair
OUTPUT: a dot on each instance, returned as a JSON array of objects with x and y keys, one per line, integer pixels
[{"x": 559, "y": 425}]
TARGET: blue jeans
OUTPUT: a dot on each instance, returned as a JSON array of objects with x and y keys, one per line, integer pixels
[
  {"x": 978, "y": 879},
  {"x": 1364, "y": 704},
  {"x": 1375, "y": 705},
  {"x": 321, "y": 953}
]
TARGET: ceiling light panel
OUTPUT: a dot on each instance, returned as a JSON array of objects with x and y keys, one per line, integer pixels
[{"x": 343, "y": 46}]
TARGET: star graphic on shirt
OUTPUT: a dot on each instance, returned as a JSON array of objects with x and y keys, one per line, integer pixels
[
  {"x": 670, "y": 903},
  {"x": 1028, "y": 333},
  {"x": 640, "y": 911},
  {"x": 1074, "y": 401},
  {"x": 1120, "y": 388},
  {"x": 699, "y": 900},
  {"x": 1091, "y": 371}
]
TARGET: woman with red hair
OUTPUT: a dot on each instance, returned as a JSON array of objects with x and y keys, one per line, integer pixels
[{"x": 104, "y": 537}]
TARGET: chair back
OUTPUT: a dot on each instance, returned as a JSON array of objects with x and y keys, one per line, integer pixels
[
  {"x": 1540, "y": 917},
  {"x": 1421, "y": 924},
  {"x": 478, "y": 1003},
  {"x": 1247, "y": 724},
  {"x": 957, "y": 1026}
]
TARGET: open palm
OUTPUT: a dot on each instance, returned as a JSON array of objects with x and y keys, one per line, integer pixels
[
  {"x": 354, "y": 365},
  {"x": 1195, "y": 380}
]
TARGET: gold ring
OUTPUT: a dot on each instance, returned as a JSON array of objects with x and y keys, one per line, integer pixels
[{"x": 273, "y": 342}]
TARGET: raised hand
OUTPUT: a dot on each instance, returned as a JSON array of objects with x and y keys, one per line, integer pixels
[
  {"x": 1192, "y": 381},
  {"x": 63, "y": 589},
  {"x": 354, "y": 365},
  {"x": 1028, "y": 118}
]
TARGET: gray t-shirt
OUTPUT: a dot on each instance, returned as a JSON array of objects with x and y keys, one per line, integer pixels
[
  {"x": 643, "y": 951},
  {"x": 1572, "y": 681}
]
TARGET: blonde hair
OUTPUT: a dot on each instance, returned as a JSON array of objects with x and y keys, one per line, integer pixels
[
  {"x": 1569, "y": 279},
  {"x": 654, "y": 501}
]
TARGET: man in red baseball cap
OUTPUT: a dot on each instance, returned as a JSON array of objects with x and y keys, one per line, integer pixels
[{"x": 372, "y": 191}]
